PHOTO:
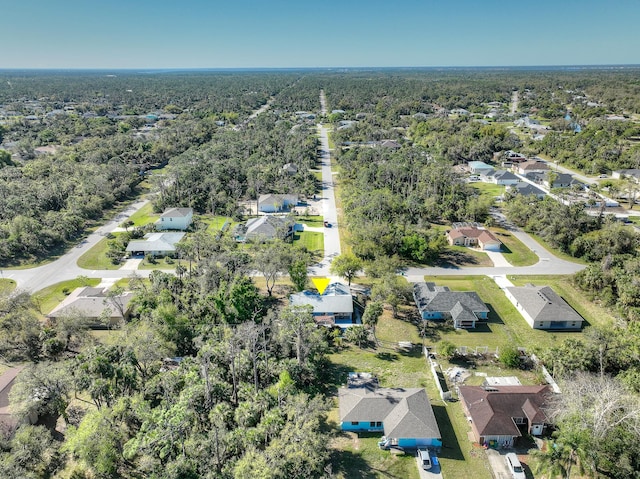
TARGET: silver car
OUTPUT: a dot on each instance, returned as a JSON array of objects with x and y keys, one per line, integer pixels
[{"x": 424, "y": 458}]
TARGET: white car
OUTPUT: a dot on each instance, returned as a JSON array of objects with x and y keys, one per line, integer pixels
[
  {"x": 424, "y": 458},
  {"x": 515, "y": 468}
]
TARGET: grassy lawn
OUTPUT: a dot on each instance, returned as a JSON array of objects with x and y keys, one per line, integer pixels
[
  {"x": 592, "y": 312},
  {"x": 311, "y": 221},
  {"x": 505, "y": 325},
  {"x": 96, "y": 257},
  {"x": 161, "y": 263},
  {"x": 514, "y": 251},
  {"x": 49, "y": 297},
  {"x": 144, "y": 216},
  {"x": 310, "y": 239},
  {"x": 462, "y": 256},
  {"x": 357, "y": 456},
  {"x": 489, "y": 190},
  {"x": 215, "y": 223},
  {"x": 7, "y": 285}
]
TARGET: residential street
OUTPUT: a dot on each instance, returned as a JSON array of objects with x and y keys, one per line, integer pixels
[
  {"x": 66, "y": 266},
  {"x": 329, "y": 210}
]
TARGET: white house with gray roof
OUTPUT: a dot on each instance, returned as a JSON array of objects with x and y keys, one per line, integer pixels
[
  {"x": 334, "y": 307},
  {"x": 404, "y": 416},
  {"x": 265, "y": 228},
  {"x": 94, "y": 304},
  {"x": 543, "y": 308},
  {"x": 175, "y": 219},
  {"x": 273, "y": 203},
  {"x": 434, "y": 302},
  {"x": 156, "y": 244}
]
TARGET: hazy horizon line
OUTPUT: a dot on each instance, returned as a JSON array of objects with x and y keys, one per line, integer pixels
[{"x": 332, "y": 68}]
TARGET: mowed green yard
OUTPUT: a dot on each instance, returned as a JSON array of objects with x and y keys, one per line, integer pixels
[{"x": 358, "y": 455}]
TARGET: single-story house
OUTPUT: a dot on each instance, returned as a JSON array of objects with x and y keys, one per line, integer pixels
[
  {"x": 265, "y": 228},
  {"x": 273, "y": 203},
  {"x": 503, "y": 177},
  {"x": 626, "y": 173},
  {"x": 290, "y": 169},
  {"x": 527, "y": 189},
  {"x": 543, "y": 308},
  {"x": 477, "y": 166},
  {"x": 439, "y": 302},
  {"x": 473, "y": 236},
  {"x": 501, "y": 414},
  {"x": 392, "y": 144},
  {"x": 156, "y": 244},
  {"x": 94, "y": 304},
  {"x": 334, "y": 307},
  {"x": 175, "y": 219},
  {"x": 404, "y": 416},
  {"x": 531, "y": 166}
]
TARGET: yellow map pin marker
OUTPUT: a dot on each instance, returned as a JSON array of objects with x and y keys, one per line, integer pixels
[{"x": 320, "y": 284}]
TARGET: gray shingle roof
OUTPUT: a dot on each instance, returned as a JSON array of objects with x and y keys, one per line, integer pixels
[
  {"x": 91, "y": 302},
  {"x": 543, "y": 304},
  {"x": 405, "y": 413},
  {"x": 430, "y": 297}
]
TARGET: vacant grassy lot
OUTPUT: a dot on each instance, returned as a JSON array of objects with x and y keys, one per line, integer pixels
[
  {"x": 144, "y": 216},
  {"x": 315, "y": 221},
  {"x": 489, "y": 190},
  {"x": 215, "y": 223},
  {"x": 310, "y": 239},
  {"x": 96, "y": 257},
  {"x": 48, "y": 298},
  {"x": 514, "y": 251}
]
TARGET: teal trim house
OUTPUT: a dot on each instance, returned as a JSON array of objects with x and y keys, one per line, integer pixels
[{"x": 404, "y": 416}]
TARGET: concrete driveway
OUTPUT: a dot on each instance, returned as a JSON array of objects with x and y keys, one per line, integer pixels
[
  {"x": 434, "y": 473},
  {"x": 498, "y": 464}
]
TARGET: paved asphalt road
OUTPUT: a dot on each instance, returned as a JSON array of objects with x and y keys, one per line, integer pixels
[
  {"x": 329, "y": 210},
  {"x": 66, "y": 267}
]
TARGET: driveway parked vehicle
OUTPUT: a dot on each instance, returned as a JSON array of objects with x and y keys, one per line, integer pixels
[
  {"x": 425, "y": 459},
  {"x": 515, "y": 468}
]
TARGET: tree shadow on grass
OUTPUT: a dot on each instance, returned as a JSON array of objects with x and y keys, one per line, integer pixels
[
  {"x": 350, "y": 465},
  {"x": 450, "y": 447},
  {"x": 386, "y": 356}
]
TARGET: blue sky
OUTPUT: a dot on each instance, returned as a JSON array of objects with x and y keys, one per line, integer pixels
[{"x": 327, "y": 33}]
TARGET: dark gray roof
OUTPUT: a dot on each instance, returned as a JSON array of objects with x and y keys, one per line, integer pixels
[
  {"x": 405, "y": 413},
  {"x": 267, "y": 227},
  {"x": 526, "y": 189},
  {"x": 504, "y": 175},
  {"x": 543, "y": 304},
  {"x": 430, "y": 297}
]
